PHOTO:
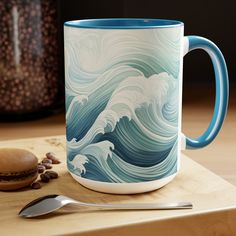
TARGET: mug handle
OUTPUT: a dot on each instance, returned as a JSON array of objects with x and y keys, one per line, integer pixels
[{"x": 222, "y": 91}]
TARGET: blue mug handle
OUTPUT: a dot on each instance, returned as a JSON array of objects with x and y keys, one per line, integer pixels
[{"x": 222, "y": 90}]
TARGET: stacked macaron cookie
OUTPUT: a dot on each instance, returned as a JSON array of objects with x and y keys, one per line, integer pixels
[{"x": 18, "y": 168}]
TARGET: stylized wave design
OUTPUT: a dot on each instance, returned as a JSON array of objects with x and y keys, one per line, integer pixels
[{"x": 122, "y": 105}]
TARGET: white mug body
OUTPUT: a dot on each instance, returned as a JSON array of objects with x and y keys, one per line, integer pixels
[{"x": 123, "y": 106}]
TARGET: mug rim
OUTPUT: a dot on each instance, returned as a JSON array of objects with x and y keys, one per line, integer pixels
[{"x": 124, "y": 23}]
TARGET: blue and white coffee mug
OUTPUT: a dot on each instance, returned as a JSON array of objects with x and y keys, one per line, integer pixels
[{"x": 123, "y": 101}]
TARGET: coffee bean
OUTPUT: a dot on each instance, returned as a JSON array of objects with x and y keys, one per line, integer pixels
[
  {"x": 52, "y": 156},
  {"x": 56, "y": 161},
  {"x": 46, "y": 160},
  {"x": 52, "y": 174},
  {"x": 36, "y": 185},
  {"x": 45, "y": 178},
  {"x": 41, "y": 168},
  {"x": 47, "y": 165}
]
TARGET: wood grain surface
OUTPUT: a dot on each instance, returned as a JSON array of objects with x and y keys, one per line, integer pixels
[{"x": 214, "y": 201}]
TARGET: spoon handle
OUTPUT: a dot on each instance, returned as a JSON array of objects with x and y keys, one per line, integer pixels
[{"x": 140, "y": 206}]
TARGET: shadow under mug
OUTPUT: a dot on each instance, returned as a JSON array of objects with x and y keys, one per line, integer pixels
[{"x": 123, "y": 101}]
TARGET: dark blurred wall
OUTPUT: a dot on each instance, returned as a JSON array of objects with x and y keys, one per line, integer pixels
[{"x": 209, "y": 18}]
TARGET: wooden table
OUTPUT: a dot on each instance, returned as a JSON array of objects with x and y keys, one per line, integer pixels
[{"x": 213, "y": 198}]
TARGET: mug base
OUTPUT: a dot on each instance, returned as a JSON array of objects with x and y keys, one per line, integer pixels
[{"x": 123, "y": 188}]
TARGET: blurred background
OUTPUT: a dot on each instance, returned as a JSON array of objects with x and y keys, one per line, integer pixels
[{"x": 32, "y": 50}]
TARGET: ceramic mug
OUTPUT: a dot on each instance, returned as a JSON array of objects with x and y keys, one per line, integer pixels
[{"x": 123, "y": 101}]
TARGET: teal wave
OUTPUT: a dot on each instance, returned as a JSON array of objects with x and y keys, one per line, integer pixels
[{"x": 122, "y": 106}]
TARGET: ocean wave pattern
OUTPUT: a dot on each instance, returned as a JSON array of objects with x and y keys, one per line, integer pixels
[{"x": 122, "y": 103}]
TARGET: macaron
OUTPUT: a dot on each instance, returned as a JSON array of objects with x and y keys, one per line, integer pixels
[{"x": 18, "y": 168}]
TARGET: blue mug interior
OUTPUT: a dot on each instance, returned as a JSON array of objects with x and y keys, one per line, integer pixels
[{"x": 124, "y": 23}]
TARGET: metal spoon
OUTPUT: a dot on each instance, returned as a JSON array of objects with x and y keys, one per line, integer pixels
[{"x": 49, "y": 203}]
